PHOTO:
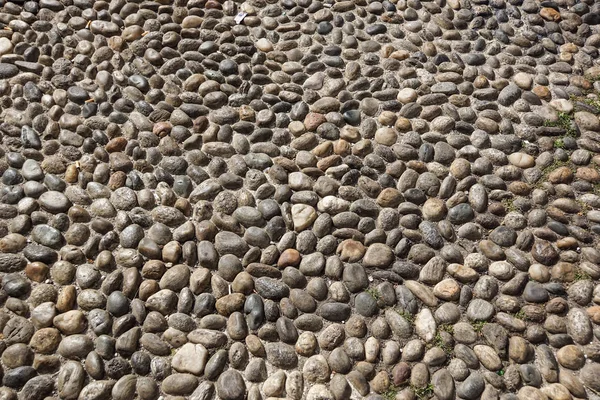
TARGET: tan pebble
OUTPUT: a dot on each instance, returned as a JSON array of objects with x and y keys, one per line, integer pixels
[
  {"x": 588, "y": 174},
  {"x": 561, "y": 175},
  {"x": 521, "y": 160},
  {"x": 342, "y": 147},
  {"x": 387, "y": 118},
  {"x": 542, "y": 92},
  {"x": 323, "y": 150},
  {"x": 264, "y": 45},
  {"x": 192, "y": 21},
  {"x": 481, "y": 82},
  {"x": 350, "y": 134},
  {"x": 519, "y": 188},
  {"x": 296, "y": 128},
  {"x": 403, "y": 124},
  {"x": 386, "y": 136},
  {"x": 565, "y": 57},
  {"x": 328, "y": 162},
  {"x": 351, "y": 250},
  {"x": 66, "y": 299},
  {"x": 132, "y": 33},
  {"x": 387, "y": 50},
  {"x": 594, "y": 314},
  {"x": 550, "y": 14},
  {"x": 567, "y": 243},
  {"x": 71, "y": 174},
  {"x": 400, "y": 55}
]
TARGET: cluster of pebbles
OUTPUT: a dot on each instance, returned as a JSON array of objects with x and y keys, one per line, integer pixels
[{"x": 309, "y": 200}]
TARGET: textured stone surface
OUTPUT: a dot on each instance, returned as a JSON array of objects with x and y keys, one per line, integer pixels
[{"x": 300, "y": 200}]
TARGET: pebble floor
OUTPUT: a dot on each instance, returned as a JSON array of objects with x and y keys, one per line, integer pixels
[{"x": 298, "y": 199}]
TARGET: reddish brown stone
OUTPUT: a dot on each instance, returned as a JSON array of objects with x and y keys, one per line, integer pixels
[
  {"x": 313, "y": 120},
  {"x": 542, "y": 92},
  {"x": 289, "y": 258},
  {"x": 37, "y": 271},
  {"x": 401, "y": 373},
  {"x": 116, "y": 144}
]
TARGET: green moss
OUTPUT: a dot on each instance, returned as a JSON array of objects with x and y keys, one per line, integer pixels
[
  {"x": 424, "y": 392},
  {"x": 509, "y": 205},
  {"x": 406, "y": 315},
  {"x": 390, "y": 393},
  {"x": 446, "y": 328},
  {"x": 547, "y": 170},
  {"x": 520, "y": 315},
  {"x": 438, "y": 341},
  {"x": 592, "y": 78},
  {"x": 581, "y": 275},
  {"x": 478, "y": 325},
  {"x": 559, "y": 143},
  {"x": 555, "y": 165},
  {"x": 593, "y": 103},
  {"x": 565, "y": 122},
  {"x": 374, "y": 293}
]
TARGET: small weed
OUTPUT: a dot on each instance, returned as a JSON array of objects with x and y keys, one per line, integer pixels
[
  {"x": 581, "y": 275},
  {"x": 565, "y": 122},
  {"x": 501, "y": 372},
  {"x": 585, "y": 207},
  {"x": 593, "y": 103},
  {"x": 596, "y": 189},
  {"x": 446, "y": 328},
  {"x": 438, "y": 341},
  {"x": 592, "y": 78},
  {"x": 374, "y": 293},
  {"x": 406, "y": 315},
  {"x": 509, "y": 205},
  {"x": 559, "y": 143},
  {"x": 520, "y": 315},
  {"x": 424, "y": 392},
  {"x": 554, "y": 166},
  {"x": 547, "y": 170},
  {"x": 390, "y": 393},
  {"x": 478, "y": 325}
]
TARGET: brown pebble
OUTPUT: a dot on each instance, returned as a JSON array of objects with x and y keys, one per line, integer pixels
[
  {"x": 313, "y": 121},
  {"x": 561, "y": 175},
  {"x": 37, "y": 271},
  {"x": 542, "y": 92},
  {"x": 289, "y": 258},
  {"x": 550, "y": 14},
  {"x": 117, "y": 180},
  {"x": 148, "y": 288},
  {"x": 116, "y": 144},
  {"x": 588, "y": 174},
  {"x": 66, "y": 299},
  {"x": 71, "y": 174}
]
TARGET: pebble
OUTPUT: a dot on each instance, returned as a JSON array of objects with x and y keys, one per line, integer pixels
[{"x": 230, "y": 386}]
